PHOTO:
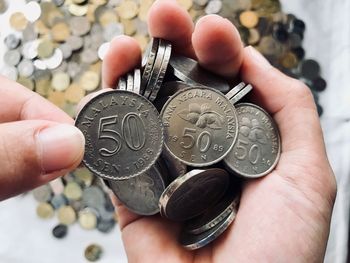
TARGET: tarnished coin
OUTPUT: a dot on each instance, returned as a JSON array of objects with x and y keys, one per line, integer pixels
[
  {"x": 200, "y": 126},
  {"x": 192, "y": 241},
  {"x": 190, "y": 195},
  {"x": 93, "y": 252},
  {"x": 60, "y": 231},
  {"x": 123, "y": 132},
  {"x": 148, "y": 61},
  {"x": 190, "y": 72},
  {"x": 140, "y": 194},
  {"x": 89, "y": 81},
  {"x": 258, "y": 146}
]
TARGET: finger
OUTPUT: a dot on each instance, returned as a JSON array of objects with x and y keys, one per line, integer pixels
[
  {"x": 19, "y": 103},
  {"x": 218, "y": 45},
  {"x": 289, "y": 100},
  {"x": 35, "y": 152},
  {"x": 123, "y": 55},
  {"x": 167, "y": 20}
]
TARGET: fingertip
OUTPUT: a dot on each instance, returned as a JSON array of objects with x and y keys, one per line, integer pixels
[
  {"x": 124, "y": 54},
  {"x": 218, "y": 45}
]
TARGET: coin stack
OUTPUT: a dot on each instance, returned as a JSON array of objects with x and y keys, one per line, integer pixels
[{"x": 184, "y": 161}]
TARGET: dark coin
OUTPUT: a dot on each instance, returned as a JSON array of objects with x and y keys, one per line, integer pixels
[
  {"x": 257, "y": 149},
  {"x": 190, "y": 195},
  {"x": 60, "y": 231},
  {"x": 93, "y": 252},
  {"x": 140, "y": 194},
  {"x": 319, "y": 84},
  {"x": 192, "y": 241},
  {"x": 123, "y": 133},
  {"x": 189, "y": 71},
  {"x": 12, "y": 41},
  {"x": 105, "y": 226},
  {"x": 310, "y": 69},
  {"x": 299, "y": 52}
]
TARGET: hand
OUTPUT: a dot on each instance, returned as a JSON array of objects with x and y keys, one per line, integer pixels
[
  {"x": 37, "y": 140},
  {"x": 282, "y": 217}
]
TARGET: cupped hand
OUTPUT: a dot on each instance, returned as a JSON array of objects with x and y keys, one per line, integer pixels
[
  {"x": 37, "y": 140},
  {"x": 283, "y": 217}
]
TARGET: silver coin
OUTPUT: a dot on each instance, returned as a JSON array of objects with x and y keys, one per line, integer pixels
[
  {"x": 155, "y": 69},
  {"x": 73, "y": 69},
  {"x": 190, "y": 195},
  {"x": 25, "y": 68},
  {"x": 89, "y": 56},
  {"x": 79, "y": 25},
  {"x": 258, "y": 146},
  {"x": 29, "y": 33},
  {"x": 175, "y": 168},
  {"x": 93, "y": 197},
  {"x": 141, "y": 194},
  {"x": 58, "y": 200},
  {"x": 240, "y": 95},
  {"x": 112, "y": 30},
  {"x": 9, "y": 72},
  {"x": 121, "y": 84},
  {"x": 103, "y": 49},
  {"x": 137, "y": 81},
  {"x": 130, "y": 82},
  {"x": 75, "y": 42},
  {"x": 163, "y": 68},
  {"x": 105, "y": 226},
  {"x": 42, "y": 193},
  {"x": 148, "y": 62},
  {"x": 200, "y": 126},
  {"x": 97, "y": 41},
  {"x": 234, "y": 91},
  {"x": 66, "y": 50},
  {"x": 12, "y": 57},
  {"x": 12, "y": 41},
  {"x": 123, "y": 132},
  {"x": 213, "y": 7},
  {"x": 54, "y": 61},
  {"x": 192, "y": 242},
  {"x": 190, "y": 72}
]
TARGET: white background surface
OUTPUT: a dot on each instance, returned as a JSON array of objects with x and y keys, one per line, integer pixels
[{"x": 25, "y": 238}]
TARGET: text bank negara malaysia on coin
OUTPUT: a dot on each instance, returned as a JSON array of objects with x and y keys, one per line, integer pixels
[{"x": 176, "y": 139}]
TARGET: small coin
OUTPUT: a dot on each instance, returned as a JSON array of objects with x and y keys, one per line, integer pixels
[
  {"x": 57, "y": 98},
  {"x": 12, "y": 57},
  {"x": 80, "y": 26},
  {"x": 78, "y": 10},
  {"x": 60, "y": 81},
  {"x": 190, "y": 195},
  {"x": 93, "y": 252},
  {"x": 60, "y": 231},
  {"x": 213, "y": 7},
  {"x": 12, "y": 41},
  {"x": 186, "y": 4},
  {"x": 192, "y": 241},
  {"x": 3, "y": 6},
  {"x": 18, "y": 21},
  {"x": 121, "y": 84},
  {"x": 32, "y": 11},
  {"x": 148, "y": 62},
  {"x": 200, "y": 126},
  {"x": 26, "y": 82},
  {"x": 75, "y": 42},
  {"x": 44, "y": 210},
  {"x": 66, "y": 215},
  {"x": 25, "y": 68},
  {"x": 73, "y": 191},
  {"x": 55, "y": 60},
  {"x": 319, "y": 84},
  {"x": 249, "y": 19},
  {"x": 140, "y": 194},
  {"x": 130, "y": 82},
  {"x": 254, "y": 36},
  {"x": 42, "y": 193},
  {"x": 105, "y": 226},
  {"x": 84, "y": 176},
  {"x": 289, "y": 60},
  {"x": 87, "y": 218},
  {"x": 60, "y": 32},
  {"x": 241, "y": 94},
  {"x": 30, "y": 49},
  {"x": 190, "y": 72},
  {"x": 258, "y": 147},
  {"x": 123, "y": 132},
  {"x": 137, "y": 81},
  {"x": 127, "y": 9},
  {"x": 310, "y": 69},
  {"x": 58, "y": 201},
  {"x": 103, "y": 49},
  {"x": 9, "y": 72},
  {"x": 89, "y": 81},
  {"x": 45, "y": 49},
  {"x": 93, "y": 197}
]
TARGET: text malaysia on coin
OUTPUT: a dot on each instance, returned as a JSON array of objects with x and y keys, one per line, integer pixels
[
  {"x": 258, "y": 145},
  {"x": 123, "y": 134},
  {"x": 200, "y": 126}
]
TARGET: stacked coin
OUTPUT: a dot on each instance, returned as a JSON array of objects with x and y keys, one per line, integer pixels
[{"x": 183, "y": 162}]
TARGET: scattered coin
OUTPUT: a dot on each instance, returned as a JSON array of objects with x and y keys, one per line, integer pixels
[
  {"x": 42, "y": 193},
  {"x": 60, "y": 231},
  {"x": 44, "y": 210},
  {"x": 73, "y": 191},
  {"x": 89, "y": 81},
  {"x": 87, "y": 218},
  {"x": 66, "y": 215},
  {"x": 93, "y": 252}
]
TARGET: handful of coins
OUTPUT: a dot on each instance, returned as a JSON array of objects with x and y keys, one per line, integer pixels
[{"x": 184, "y": 162}]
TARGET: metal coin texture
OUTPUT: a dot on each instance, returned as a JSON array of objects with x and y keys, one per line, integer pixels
[
  {"x": 190, "y": 195},
  {"x": 200, "y": 126},
  {"x": 241, "y": 94},
  {"x": 258, "y": 146},
  {"x": 140, "y": 194},
  {"x": 148, "y": 61},
  {"x": 123, "y": 133},
  {"x": 192, "y": 241},
  {"x": 190, "y": 72}
]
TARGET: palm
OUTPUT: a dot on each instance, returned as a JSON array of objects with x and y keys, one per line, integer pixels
[{"x": 283, "y": 215}]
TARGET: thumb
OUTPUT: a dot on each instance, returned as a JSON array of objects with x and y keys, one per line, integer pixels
[{"x": 35, "y": 152}]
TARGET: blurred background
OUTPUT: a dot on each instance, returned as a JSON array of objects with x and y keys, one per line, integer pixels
[{"x": 55, "y": 48}]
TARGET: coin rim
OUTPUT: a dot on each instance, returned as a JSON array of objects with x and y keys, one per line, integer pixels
[
  {"x": 147, "y": 71},
  {"x": 241, "y": 94}
]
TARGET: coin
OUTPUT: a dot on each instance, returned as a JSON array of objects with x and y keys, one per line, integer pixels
[
  {"x": 87, "y": 218},
  {"x": 249, "y": 19},
  {"x": 140, "y": 194},
  {"x": 148, "y": 62},
  {"x": 137, "y": 81},
  {"x": 105, "y": 226},
  {"x": 123, "y": 132},
  {"x": 234, "y": 91},
  {"x": 12, "y": 41},
  {"x": 84, "y": 176},
  {"x": 25, "y": 68},
  {"x": 258, "y": 147},
  {"x": 74, "y": 93},
  {"x": 66, "y": 215},
  {"x": 190, "y": 195},
  {"x": 26, "y": 82},
  {"x": 200, "y": 126},
  {"x": 241, "y": 94},
  {"x": 73, "y": 191},
  {"x": 18, "y": 21},
  {"x": 58, "y": 201},
  {"x": 89, "y": 81},
  {"x": 60, "y": 231},
  {"x": 60, "y": 81},
  {"x": 127, "y": 9},
  {"x": 12, "y": 57},
  {"x": 42, "y": 193},
  {"x": 319, "y": 84},
  {"x": 175, "y": 168},
  {"x": 44, "y": 211},
  {"x": 192, "y": 241},
  {"x": 60, "y": 32},
  {"x": 190, "y": 72},
  {"x": 310, "y": 69},
  {"x": 121, "y": 84},
  {"x": 213, "y": 7},
  {"x": 130, "y": 82},
  {"x": 93, "y": 252},
  {"x": 10, "y": 72},
  {"x": 3, "y": 6}
]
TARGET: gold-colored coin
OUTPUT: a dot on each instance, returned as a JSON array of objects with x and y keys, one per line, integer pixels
[
  {"x": 45, "y": 49},
  {"x": 42, "y": 87},
  {"x": 60, "y": 81},
  {"x": 87, "y": 219},
  {"x": 66, "y": 215},
  {"x": 26, "y": 82},
  {"x": 129, "y": 27},
  {"x": 73, "y": 191},
  {"x": 41, "y": 28},
  {"x": 89, "y": 81},
  {"x": 18, "y": 21},
  {"x": 128, "y": 9},
  {"x": 249, "y": 19},
  {"x": 70, "y": 109},
  {"x": 186, "y": 4},
  {"x": 143, "y": 10},
  {"x": 84, "y": 175},
  {"x": 57, "y": 98},
  {"x": 108, "y": 17},
  {"x": 78, "y": 10},
  {"x": 60, "y": 32},
  {"x": 44, "y": 211},
  {"x": 96, "y": 67},
  {"x": 142, "y": 40},
  {"x": 90, "y": 14},
  {"x": 289, "y": 60},
  {"x": 74, "y": 93},
  {"x": 254, "y": 36}
]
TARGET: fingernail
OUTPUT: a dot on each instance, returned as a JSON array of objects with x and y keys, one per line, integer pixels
[
  {"x": 258, "y": 57},
  {"x": 60, "y": 147}
]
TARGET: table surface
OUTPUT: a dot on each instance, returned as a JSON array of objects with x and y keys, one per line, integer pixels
[{"x": 23, "y": 237}]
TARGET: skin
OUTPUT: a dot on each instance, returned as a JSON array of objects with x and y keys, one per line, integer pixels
[{"x": 283, "y": 216}]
